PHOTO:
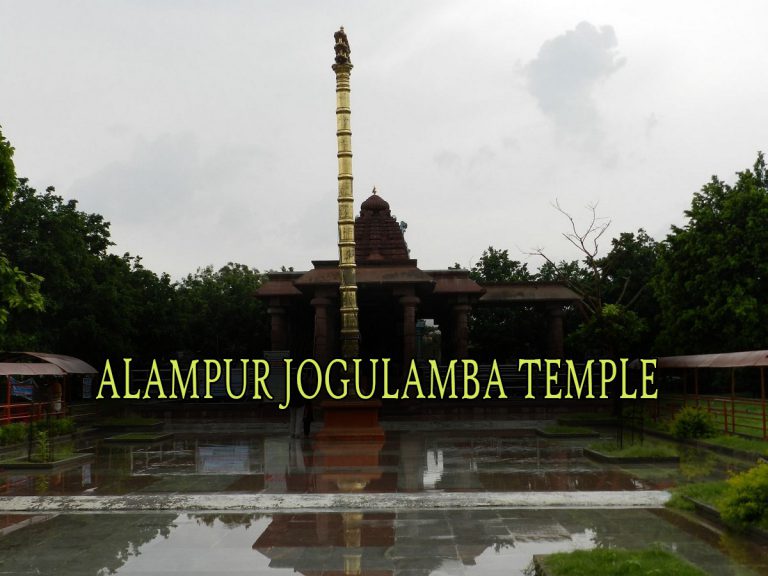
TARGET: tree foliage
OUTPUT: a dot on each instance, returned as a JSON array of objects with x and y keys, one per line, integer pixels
[
  {"x": 219, "y": 313},
  {"x": 496, "y": 266},
  {"x": 713, "y": 272},
  {"x": 616, "y": 308},
  {"x": 102, "y": 305},
  {"x": 503, "y": 332},
  {"x": 18, "y": 290},
  {"x": 91, "y": 298}
]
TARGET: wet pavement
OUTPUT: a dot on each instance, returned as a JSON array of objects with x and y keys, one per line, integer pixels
[
  {"x": 428, "y": 498},
  {"x": 511, "y": 460},
  {"x": 406, "y": 543}
]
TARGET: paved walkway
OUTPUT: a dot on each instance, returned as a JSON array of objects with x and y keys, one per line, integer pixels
[{"x": 335, "y": 502}]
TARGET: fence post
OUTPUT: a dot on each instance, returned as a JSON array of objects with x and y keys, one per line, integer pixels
[
  {"x": 762, "y": 398},
  {"x": 733, "y": 400},
  {"x": 725, "y": 417},
  {"x": 696, "y": 385},
  {"x": 8, "y": 399}
]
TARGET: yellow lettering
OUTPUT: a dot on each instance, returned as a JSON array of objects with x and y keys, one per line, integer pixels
[
  {"x": 183, "y": 387},
  {"x": 495, "y": 380},
  {"x": 648, "y": 379},
  {"x": 208, "y": 379},
  {"x": 154, "y": 380},
  {"x": 287, "y": 383},
  {"x": 586, "y": 379},
  {"x": 374, "y": 362},
  {"x": 552, "y": 379},
  {"x": 604, "y": 377},
  {"x": 530, "y": 364},
  {"x": 260, "y": 373},
  {"x": 624, "y": 393},
  {"x": 413, "y": 380},
  {"x": 442, "y": 385},
  {"x": 344, "y": 381},
  {"x": 107, "y": 380},
  {"x": 318, "y": 377}
]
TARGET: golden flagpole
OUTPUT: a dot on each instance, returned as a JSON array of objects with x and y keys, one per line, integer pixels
[{"x": 350, "y": 333}]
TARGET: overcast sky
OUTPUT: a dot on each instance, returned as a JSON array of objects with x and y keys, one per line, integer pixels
[{"x": 204, "y": 131}]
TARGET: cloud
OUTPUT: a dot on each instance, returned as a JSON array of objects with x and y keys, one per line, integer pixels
[
  {"x": 565, "y": 72},
  {"x": 179, "y": 203}
]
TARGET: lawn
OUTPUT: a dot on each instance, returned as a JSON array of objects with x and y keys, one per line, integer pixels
[
  {"x": 645, "y": 450},
  {"x": 613, "y": 562}
]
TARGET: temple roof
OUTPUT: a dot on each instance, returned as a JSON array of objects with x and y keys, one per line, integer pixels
[
  {"x": 378, "y": 237},
  {"x": 326, "y": 272},
  {"x": 502, "y": 293}
]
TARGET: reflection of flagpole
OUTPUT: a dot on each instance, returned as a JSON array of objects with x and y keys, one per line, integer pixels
[{"x": 352, "y": 539}]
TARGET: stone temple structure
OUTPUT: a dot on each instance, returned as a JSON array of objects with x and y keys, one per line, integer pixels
[
  {"x": 392, "y": 293},
  {"x": 367, "y": 303}
]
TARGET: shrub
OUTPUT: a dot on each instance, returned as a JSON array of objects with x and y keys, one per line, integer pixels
[
  {"x": 691, "y": 422},
  {"x": 62, "y": 426},
  {"x": 14, "y": 433},
  {"x": 54, "y": 426},
  {"x": 746, "y": 500},
  {"x": 42, "y": 447}
]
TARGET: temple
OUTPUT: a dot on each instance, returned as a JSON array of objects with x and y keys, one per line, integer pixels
[
  {"x": 367, "y": 304},
  {"x": 393, "y": 293}
]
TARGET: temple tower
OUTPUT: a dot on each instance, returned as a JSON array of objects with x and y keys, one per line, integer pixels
[{"x": 350, "y": 333}]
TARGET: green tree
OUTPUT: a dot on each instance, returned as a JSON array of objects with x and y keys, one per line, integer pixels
[
  {"x": 611, "y": 287},
  {"x": 504, "y": 332},
  {"x": 18, "y": 290},
  {"x": 219, "y": 313},
  {"x": 628, "y": 271},
  {"x": 98, "y": 304},
  {"x": 496, "y": 266},
  {"x": 713, "y": 272}
]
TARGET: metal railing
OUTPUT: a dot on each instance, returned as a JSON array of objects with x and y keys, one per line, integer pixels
[{"x": 735, "y": 415}]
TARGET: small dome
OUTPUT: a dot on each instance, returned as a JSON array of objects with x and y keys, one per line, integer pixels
[{"x": 374, "y": 203}]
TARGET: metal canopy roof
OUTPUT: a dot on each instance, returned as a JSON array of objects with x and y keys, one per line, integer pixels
[
  {"x": 29, "y": 369},
  {"x": 752, "y": 358},
  {"x": 63, "y": 364}
]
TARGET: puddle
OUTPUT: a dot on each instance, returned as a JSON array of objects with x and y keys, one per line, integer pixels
[
  {"x": 423, "y": 461},
  {"x": 455, "y": 542}
]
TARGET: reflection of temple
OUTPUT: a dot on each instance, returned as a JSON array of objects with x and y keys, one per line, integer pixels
[{"x": 393, "y": 292}]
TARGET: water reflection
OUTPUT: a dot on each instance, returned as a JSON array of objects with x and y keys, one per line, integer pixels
[
  {"x": 468, "y": 542},
  {"x": 500, "y": 460}
]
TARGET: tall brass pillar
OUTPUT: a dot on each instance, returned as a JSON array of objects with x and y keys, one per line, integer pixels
[{"x": 350, "y": 333}]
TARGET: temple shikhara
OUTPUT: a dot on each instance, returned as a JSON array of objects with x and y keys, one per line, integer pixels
[{"x": 367, "y": 303}]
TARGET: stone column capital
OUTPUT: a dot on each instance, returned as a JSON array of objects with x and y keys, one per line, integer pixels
[{"x": 410, "y": 300}]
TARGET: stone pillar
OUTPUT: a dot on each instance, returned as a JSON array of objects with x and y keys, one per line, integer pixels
[
  {"x": 279, "y": 327},
  {"x": 321, "y": 345},
  {"x": 409, "y": 304},
  {"x": 461, "y": 330},
  {"x": 555, "y": 333}
]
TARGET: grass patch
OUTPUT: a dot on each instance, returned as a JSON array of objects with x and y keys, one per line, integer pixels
[
  {"x": 586, "y": 418},
  {"x": 60, "y": 452},
  {"x": 560, "y": 429},
  {"x": 656, "y": 425},
  {"x": 613, "y": 562},
  {"x": 18, "y": 432},
  {"x": 739, "y": 443},
  {"x": 139, "y": 437},
  {"x": 712, "y": 493},
  {"x": 644, "y": 450},
  {"x": 127, "y": 422}
]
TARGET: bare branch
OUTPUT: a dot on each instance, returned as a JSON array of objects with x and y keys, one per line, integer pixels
[{"x": 586, "y": 242}]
